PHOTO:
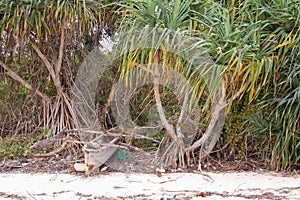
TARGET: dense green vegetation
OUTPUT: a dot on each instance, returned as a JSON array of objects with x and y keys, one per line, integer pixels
[{"x": 255, "y": 43}]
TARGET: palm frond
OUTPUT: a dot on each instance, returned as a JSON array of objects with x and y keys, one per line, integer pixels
[{"x": 22, "y": 18}]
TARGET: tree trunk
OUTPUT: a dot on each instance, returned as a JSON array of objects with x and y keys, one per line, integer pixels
[
  {"x": 214, "y": 129},
  {"x": 175, "y": 148}
]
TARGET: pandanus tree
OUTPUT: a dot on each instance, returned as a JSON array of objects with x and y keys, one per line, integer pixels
[
  {"x": 163, "y": 46},
  {"x": 242, "y": 42},
  {"x": 48, "y": 32},
  {"x": 276, "y": 126},
  {"x": 214, "y": 52},
  {"x": 257, "y": 43}
]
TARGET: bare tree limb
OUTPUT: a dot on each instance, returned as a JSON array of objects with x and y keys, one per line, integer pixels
[
  {"x": 52, "y": 153},
  {"x": 50, "y": 68},
  {"x": 114, "y": 133},
  {"x": 169, "y": 128},
  {"x": 45, "y": 60},
  {"x": 50, "y": 141},
  {"x": 16, "y": 77},
  {"x": 184, "y": 105},
  {"x": 61, "y": 48}
]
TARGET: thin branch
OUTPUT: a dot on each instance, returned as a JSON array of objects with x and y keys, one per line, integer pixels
[
  {"x": 16, "y": 77},
  {"x": 114, "y": 133},
  {"x": 45, "y": 60},
  {"x": 55, "y": 76},
  {"x": 146, "y": 106},
  {"x": 125, "y": 146},
  {"x": 49, "y": 142},
  {"x": 61, "y": 48},
  {"x": 71, "y": 110},
  {"x": 184, "y": 105},
  {"x": 138, "y": 136}
]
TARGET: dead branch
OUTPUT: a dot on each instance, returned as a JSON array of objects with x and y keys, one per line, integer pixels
[
  {"x": 50, "y": 154},
  {"x": 126, "y": 146},
  {"x": 16, "y": 77},
  {"x": 45, "y": 60},
  {"x": 50, "y": 141},
  {"x": 114, "y": 132},
  {"x": 61, "y": 48}
]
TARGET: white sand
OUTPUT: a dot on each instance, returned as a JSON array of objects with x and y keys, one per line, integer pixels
[{"x": 215, "y": 185}]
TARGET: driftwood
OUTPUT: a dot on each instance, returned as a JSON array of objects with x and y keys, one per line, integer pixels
[
  {"x": 50, "y": 154},
  {"x": 50, "y": 142}
]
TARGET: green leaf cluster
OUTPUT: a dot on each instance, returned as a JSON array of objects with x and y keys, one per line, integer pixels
[{"x": 15, "y": 147}]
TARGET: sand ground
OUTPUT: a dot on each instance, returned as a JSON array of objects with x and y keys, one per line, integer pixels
[{"x": 112, "y": 185}]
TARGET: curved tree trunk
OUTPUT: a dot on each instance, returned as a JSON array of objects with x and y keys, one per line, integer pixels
[
  {"x": 214, "y": 128},
  {"x": 173, "y": 151},
  {"x": 176, "y": 148}
]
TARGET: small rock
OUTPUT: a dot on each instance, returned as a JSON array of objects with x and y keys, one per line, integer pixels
[
  {"x": 161, "y": 170},
  {"x": 104, "y": 169},
  {"x": 80, "y": 167}
]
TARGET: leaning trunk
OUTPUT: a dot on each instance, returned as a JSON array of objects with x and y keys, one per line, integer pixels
[{"x": 172, "y": 145}]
